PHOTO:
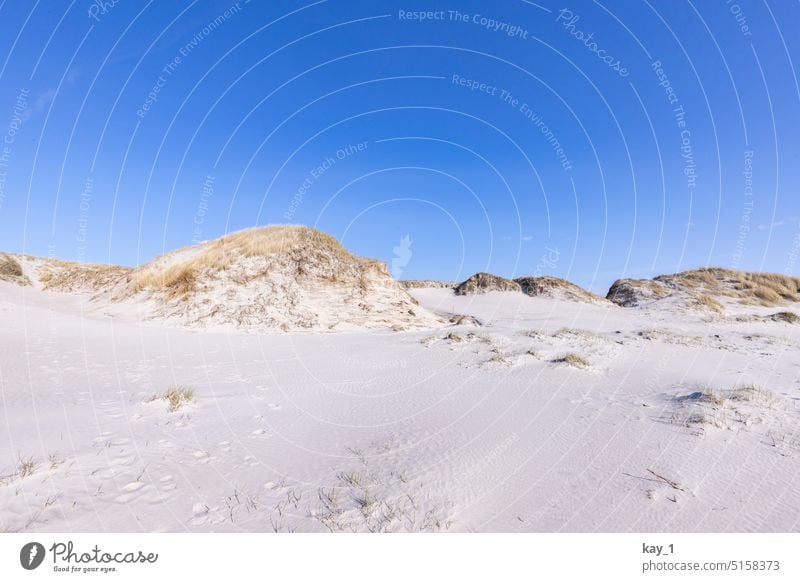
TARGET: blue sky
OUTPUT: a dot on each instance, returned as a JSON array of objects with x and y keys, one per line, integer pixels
[{"x": 589, "y": 140}]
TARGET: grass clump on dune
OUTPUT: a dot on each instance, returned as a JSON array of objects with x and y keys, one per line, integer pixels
[
  {"x": 177, "y": 280},
  {"x": 708, "y": 302},
  {"x": 572, "y": 359},
  {"x": 785, "y": 316},
  {"x": 176, "y": 397},
  {"x": 26, "y": 467},
  {"x": 11, "y": 270},
  {"x": 745, "y": 393}
]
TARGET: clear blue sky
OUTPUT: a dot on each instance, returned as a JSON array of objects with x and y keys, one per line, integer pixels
[{"x": 604, "y": 140}]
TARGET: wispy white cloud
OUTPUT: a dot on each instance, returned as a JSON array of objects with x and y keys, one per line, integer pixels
[
  {"x": 39, "y": 104},
  {"x": 45, "y": 98}
]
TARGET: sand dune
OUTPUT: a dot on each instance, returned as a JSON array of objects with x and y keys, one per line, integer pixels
[
  {"x": 280, "y": 278},
  {"x": 708, "y": 288}
]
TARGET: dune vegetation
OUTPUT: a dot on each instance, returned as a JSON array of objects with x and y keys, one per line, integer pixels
[
  {"x": 178, "y": 273},
  {"x": 11, "y": 270}
]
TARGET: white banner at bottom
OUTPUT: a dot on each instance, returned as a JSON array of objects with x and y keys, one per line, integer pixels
[{"x": 351, "y": 558}]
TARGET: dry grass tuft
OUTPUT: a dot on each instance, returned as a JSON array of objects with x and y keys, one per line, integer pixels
[
  {"x": 572, "y": 359},
  {"x": 11, "y": 270},
  {"x": 767, "y": 295},
  {"x": 177, "y": 280},
  {"x": 744, "y": 393},
  {"x": 176, "y": 397},
  {"x": 785, "y": 316},
  {"x": 26, "y": 467},
  {"x": 69, "y": 276},
  {"x": 754, "y": 394},
  {"x": 727, "y": 409},
  {"x": 708, "y": 302}
]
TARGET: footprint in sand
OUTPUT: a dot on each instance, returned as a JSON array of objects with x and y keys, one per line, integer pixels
[
  {"x": 131, "y": 491},
  {"x": 165, "y": 444},
  {"x": 154, "y": 497},
  {"x": 167, "y": 483},
  {"x": 201, "y": 457},
  {"x": 200, "y": 513},
  {"x": 103, "y": 438}
]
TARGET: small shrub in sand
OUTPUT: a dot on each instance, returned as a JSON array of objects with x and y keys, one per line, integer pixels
[
  {"x": 176, "y": 397},
  {"x": 572, "y": 359}
]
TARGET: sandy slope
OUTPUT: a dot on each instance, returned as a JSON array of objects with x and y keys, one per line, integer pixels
[{"x": 383, "y": 431}]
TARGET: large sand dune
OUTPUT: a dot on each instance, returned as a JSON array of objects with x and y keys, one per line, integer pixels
[{"x": 279, "y": 278}]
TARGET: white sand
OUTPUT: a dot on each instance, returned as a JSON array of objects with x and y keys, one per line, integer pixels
[{"x": 383, "y": 431}]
